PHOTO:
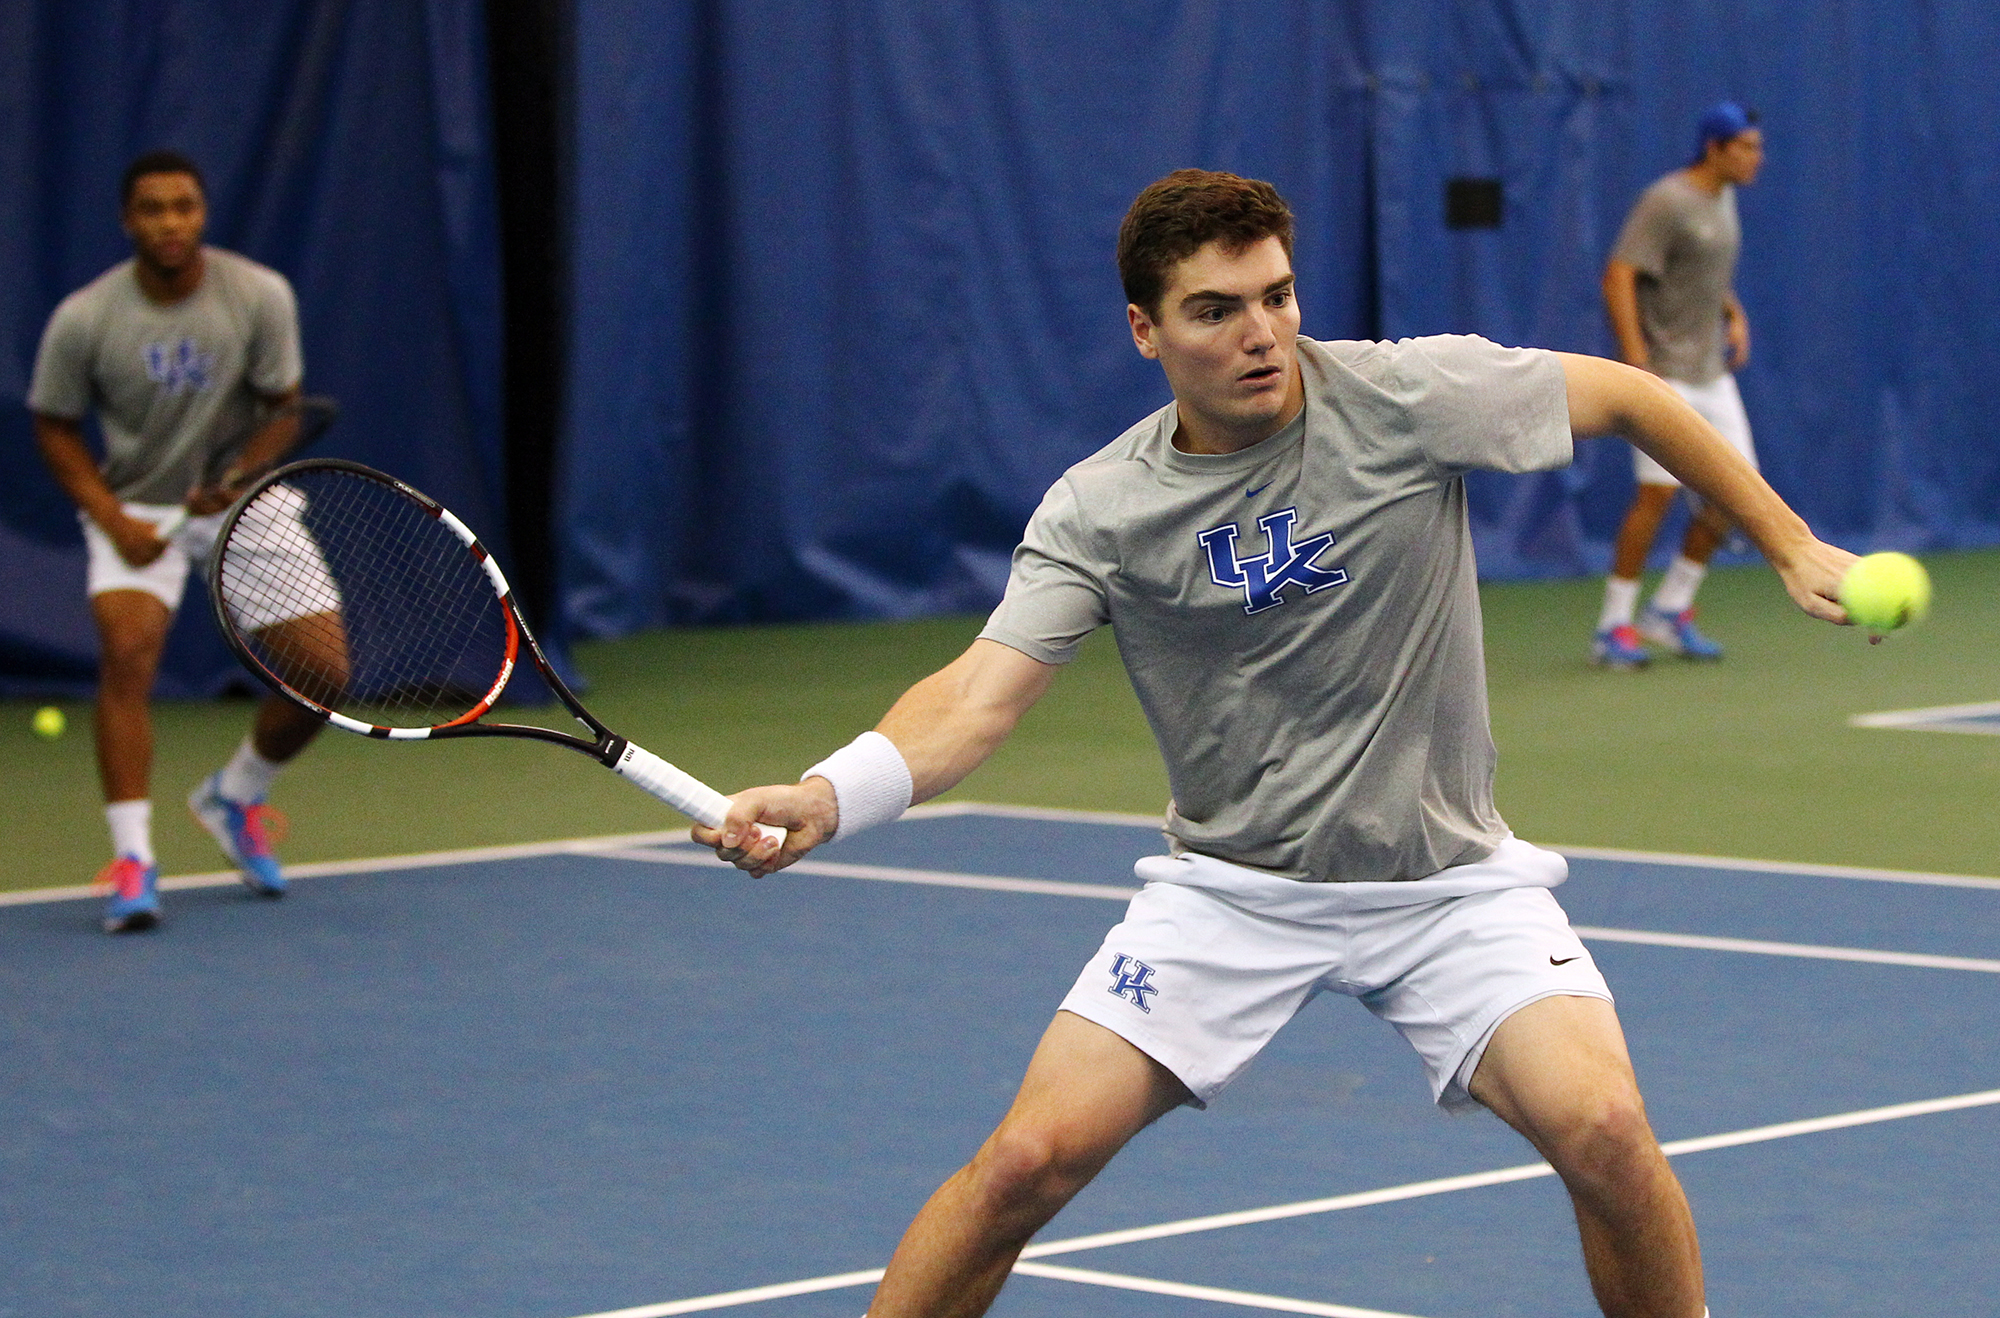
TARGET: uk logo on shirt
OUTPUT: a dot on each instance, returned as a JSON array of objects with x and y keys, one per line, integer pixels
[
  {"x": 180, "y": 366},
  {"x": 1282, "y": 564}
]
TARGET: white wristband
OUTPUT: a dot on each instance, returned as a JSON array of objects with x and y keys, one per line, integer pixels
[{"x": 871, "y": 783}]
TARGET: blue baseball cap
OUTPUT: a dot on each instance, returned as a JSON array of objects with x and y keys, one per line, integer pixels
[{"x": 1722, "y": 122}]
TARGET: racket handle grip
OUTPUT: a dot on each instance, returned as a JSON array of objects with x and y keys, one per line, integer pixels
[{"x": 678, "y": 788}]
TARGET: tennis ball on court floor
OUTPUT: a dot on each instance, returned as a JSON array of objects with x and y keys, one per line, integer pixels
[
  {"x": 1883, "y": 591},
  {"x": 48, "y": 722}
]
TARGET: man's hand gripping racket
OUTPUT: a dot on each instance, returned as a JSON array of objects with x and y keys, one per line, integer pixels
[
  {"x": 314, "y": 415},
  {"x": 371, "y": 605}
]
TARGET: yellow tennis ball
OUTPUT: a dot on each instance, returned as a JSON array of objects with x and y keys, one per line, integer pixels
[
  {"x": 48, "y": 722},
  {"x": 1884, "y": 591}
]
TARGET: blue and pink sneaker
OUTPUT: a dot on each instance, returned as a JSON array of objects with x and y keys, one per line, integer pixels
[
  {"x": 244, "y": 831},
  {"x": 1618, "y": 648},
  {"x": 1676, "y": 632},
  {"x": 135, "y": 896}
]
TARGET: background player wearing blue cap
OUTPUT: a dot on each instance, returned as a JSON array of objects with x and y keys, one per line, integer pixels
[{"x": 1669, "y": 287}]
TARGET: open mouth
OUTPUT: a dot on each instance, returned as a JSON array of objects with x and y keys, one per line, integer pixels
[{"x": 1258, "y": 376}]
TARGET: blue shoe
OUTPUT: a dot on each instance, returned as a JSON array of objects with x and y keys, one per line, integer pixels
[
  {"x": 1677, "y": 632},
  {"x": 135, "y": 896},
  {"x": 1619, "y": 648},
  {"x": 243, "y": 832}
]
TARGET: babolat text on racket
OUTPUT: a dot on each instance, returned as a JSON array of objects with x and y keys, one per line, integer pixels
[{"x": 370, "y": 604}]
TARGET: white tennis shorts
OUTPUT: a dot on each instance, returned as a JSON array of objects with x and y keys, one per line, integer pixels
[
  {"x": 1212, "y": 959},
  {"x": 1722, "y": 407},
  {"x": 312, "y": 589}
]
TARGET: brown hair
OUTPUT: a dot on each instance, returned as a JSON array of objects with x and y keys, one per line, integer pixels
[{"x": 1177, "y": 216}]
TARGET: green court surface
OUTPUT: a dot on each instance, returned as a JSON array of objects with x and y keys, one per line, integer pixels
[{"x": 1752, "y": 757}]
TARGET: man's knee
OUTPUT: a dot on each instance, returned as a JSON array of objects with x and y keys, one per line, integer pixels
[
  {"x": 1602, "y": 1137},
  {"x": 1026, "y": 1167}
]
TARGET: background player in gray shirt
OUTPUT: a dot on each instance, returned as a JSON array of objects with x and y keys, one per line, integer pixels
[
  {"x": 1670, "y": 290},
  {"x": 179, "y": 351},
  {"x": 1284, "y": 557}
]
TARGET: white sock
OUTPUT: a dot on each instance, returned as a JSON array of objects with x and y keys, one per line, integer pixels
[
  {"x": 248, "y": 776},
  {"x": 1621, "y": 598},
  {"x": 1677, "y": 588},
  {"x": 131, "y": 829}
]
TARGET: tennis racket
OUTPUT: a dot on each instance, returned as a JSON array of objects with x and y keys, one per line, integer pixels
[
  {"x": 315, "y": 413},
  {"x": 371, "y": 605}
]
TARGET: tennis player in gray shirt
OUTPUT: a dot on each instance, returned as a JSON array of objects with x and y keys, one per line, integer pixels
[
  {"x": 1283, "y": 555},
  {"x": 187, "y": 354},
  {"x": 1670, "y": 290}
]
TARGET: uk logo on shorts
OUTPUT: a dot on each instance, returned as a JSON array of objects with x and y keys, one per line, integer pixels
[
  {"x": 1131, "y": 978},
  {"x": 182, "y": 367},
  {"x": 1283, "y": 564}
]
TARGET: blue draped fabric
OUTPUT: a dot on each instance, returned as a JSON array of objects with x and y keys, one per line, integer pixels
[
  {"x": 845, "y": 301},
  {"x": 346, "y": 144}
]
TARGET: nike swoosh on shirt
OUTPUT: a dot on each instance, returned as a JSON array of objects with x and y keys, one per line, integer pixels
[
  {"x": 1565, "y": 961},
  {"x": 1251, "y": 494}
]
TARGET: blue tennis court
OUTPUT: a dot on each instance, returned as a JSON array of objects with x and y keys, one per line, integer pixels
[{"x": 611, "y": 1077}]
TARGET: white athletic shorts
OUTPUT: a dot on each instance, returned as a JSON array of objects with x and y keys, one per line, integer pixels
[
  {"x": 165, "y": 578},
  {"x": 1722, "y": 407},
  {"x": 1212, "y": 959}
]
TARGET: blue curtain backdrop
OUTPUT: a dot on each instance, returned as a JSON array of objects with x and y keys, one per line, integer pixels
[
  {"x": 845, "y": 305},
  {"x": 843, "y": 301},
  {"x": 346, "y": 144}
]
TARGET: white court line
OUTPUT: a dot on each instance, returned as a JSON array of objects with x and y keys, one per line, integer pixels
[
  {"x": 1335, "y": 1203},
  {"x": 1247, "y": 1299},
  {"x": 581, "y": 846},
  {"x": 1935, "y": 718},
  {"x": 702, "y": 858},
  {"x": 941, "y": 810}
]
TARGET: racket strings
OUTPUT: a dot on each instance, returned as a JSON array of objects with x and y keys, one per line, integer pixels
[{"x": 360, "y": 599}]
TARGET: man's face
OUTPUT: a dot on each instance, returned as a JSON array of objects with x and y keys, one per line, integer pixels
[
  {"x": 1740, "y": 157},
  {"x": 164, "y": 218},
  {"x": 1226, "y": 337}
]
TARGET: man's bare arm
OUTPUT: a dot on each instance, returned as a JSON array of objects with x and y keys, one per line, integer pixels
[
  {"x": 1621, "y": 303},
  {"x": 944, "y": 727},
  {"x": 1608, "y": 398},
  {"x": 265, "y": 448},
  {"x": 1736, "y": 326},
  {"x": 63, "y": 448}
]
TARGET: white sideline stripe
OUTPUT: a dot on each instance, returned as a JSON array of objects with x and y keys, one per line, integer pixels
[
  {"x": 698, "y": 856},
  {"x": 1247, "y": 1299},
  {"x": 1310, "y": 1207},
  {"x": 1782, "y": 867},
  {"x": 950, "y": 809},
  {"x": 835, "y": 869},
  {"x": 581, "y": 846},
  {"x": 1929, "y": 717},
  {"x": 754, "y": 1295},
  {"x": 1710, "y": 943}
]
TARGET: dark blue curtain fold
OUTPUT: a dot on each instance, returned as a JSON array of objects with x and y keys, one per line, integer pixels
[
  {"x": 845, "y": 304},
  {"x": 346, "y": 144}
]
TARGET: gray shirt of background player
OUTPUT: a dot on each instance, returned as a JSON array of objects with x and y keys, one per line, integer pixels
[
  {"x": 1340, "y": 734},
  {"x": 1684, "y": 244},
  {"x": 171, "y": 384}
]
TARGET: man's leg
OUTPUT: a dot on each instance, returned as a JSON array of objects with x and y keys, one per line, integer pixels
[
  {"x": 310, "y": 653},
  {"x": 1557, "y": 1071},
  {"x": 1616, "y": 644},
  {"x": 132, "y": 634},
  {"x": 1086, "y": 1093}
]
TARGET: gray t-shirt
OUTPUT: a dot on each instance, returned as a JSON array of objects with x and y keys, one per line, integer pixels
[
  {"x": 1301, "y": 618},
  {"x": 1684, "y": 244},
  {"x": 172, "y": 384}
]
